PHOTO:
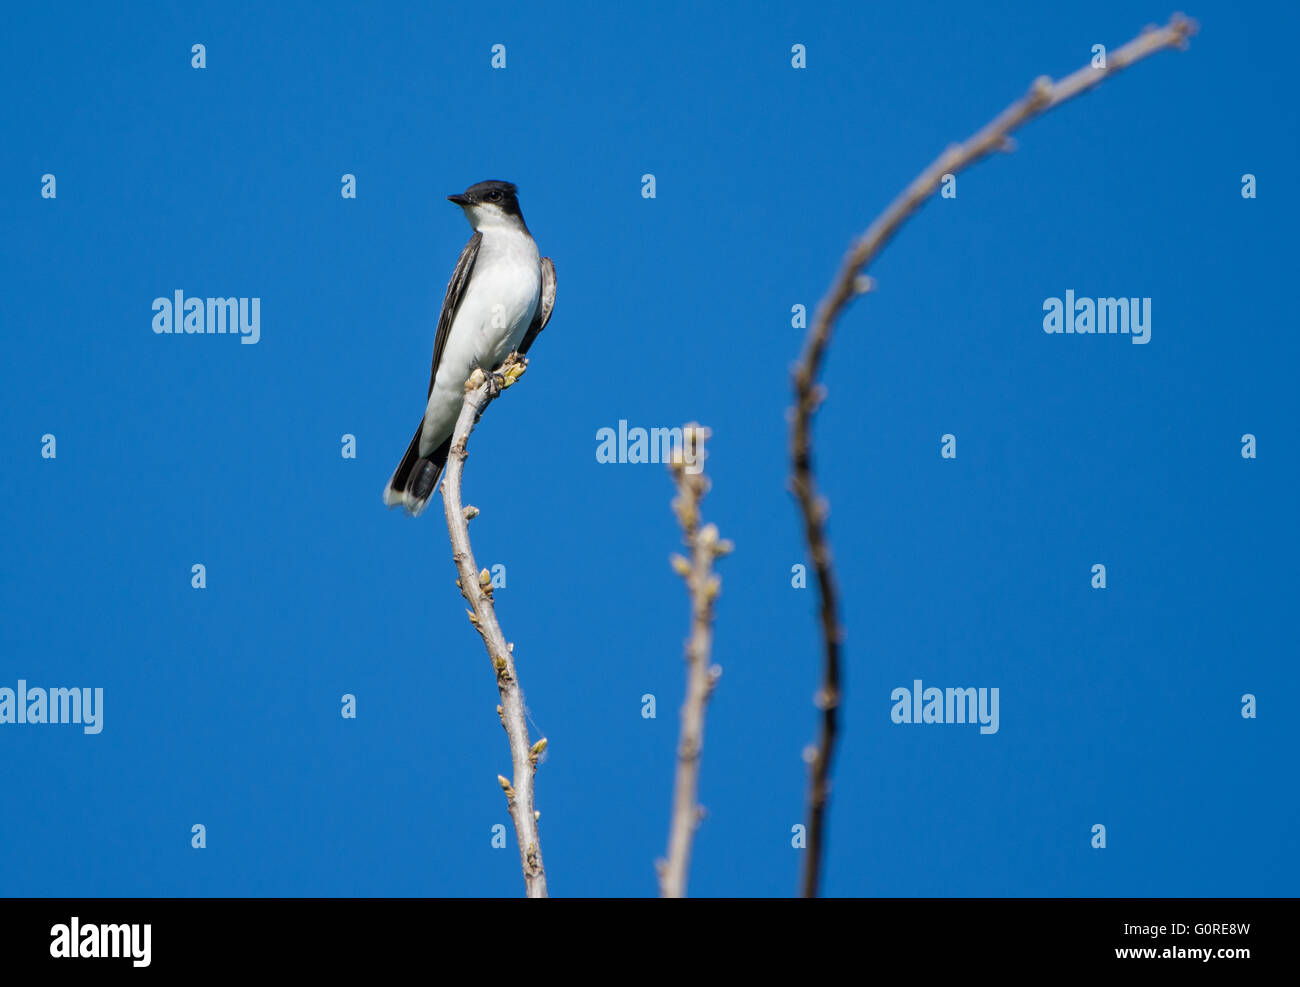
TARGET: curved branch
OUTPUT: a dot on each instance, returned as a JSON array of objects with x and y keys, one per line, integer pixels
[
  {"x": 476, "y": 587},
  {"x": 849, "y": 282}
]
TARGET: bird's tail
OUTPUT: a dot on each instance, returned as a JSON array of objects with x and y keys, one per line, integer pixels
[{"x": 416, "y": 476}]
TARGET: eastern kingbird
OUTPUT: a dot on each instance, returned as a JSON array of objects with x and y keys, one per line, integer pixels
[{"x": 499, "y": 298}]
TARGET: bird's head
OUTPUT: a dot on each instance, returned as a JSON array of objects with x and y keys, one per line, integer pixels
[{"x": 489, "y": 204}]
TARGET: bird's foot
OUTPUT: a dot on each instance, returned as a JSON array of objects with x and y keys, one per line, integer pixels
[{"x": 513, "y": 369}]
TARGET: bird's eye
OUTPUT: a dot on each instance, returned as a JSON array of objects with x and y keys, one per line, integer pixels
[{"x": 494, "y": 195}]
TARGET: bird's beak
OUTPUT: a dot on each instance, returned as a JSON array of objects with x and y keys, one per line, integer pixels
[{"x": 460, "y": 200}]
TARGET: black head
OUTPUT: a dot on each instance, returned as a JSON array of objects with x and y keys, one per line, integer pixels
[{"x": 502, "y": 195}]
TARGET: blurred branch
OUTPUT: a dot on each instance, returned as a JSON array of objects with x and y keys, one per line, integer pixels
[
  {"x": 702, "y": 585},
  {"x": 476, "y": 586},
  {"x": 1043, "y": 95}
]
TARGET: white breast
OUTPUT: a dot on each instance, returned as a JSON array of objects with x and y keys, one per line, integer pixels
[
  {"x": 498, "y": 307},
  {"x": 501, "y": 299}
]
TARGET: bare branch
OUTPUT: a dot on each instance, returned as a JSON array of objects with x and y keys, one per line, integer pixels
[
  {"x": 702, "y": 585},
  {"x": 476, "y": 587},
  {"x": 1043, "y": 95}
]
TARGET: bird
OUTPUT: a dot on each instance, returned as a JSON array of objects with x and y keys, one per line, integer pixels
[{"x": 498, "y": 300}]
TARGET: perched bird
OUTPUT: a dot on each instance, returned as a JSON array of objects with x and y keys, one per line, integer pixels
[{"x": 499, "y": 298}]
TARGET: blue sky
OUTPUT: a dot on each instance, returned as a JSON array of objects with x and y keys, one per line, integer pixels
[{"x": 1119, "y": 706}]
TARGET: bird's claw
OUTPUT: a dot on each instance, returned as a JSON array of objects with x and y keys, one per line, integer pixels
[{"x": 514, "y": 368}]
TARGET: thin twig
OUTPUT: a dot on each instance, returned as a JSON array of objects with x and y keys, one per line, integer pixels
[
  {"x": 1043, "y": 95},
  {"x": 702, "y": 585},
  {"x": 476, "y": 587}
]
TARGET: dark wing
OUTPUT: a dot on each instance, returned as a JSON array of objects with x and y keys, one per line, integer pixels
[
  {"x": 545, "y": 303},
  {"x": 451, "y": 301}
]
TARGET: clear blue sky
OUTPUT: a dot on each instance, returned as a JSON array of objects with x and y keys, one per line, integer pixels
[{"x": 1119, "y": 706}]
